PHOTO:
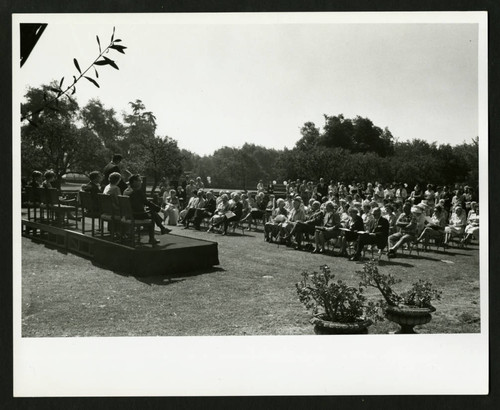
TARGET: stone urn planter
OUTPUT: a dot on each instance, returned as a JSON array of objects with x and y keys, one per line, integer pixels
[
  {"x": 325, "y": 327},
  {"x": 409, "y": 316}
]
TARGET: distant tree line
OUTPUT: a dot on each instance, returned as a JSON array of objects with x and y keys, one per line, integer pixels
[
  {"x": 68, "y": 138},
  {"x": 345, "y": 150}
]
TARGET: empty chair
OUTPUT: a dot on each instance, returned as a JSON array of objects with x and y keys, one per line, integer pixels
[{"x": 89, "y": 209}]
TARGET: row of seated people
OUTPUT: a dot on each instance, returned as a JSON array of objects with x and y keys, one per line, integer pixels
[
  {"x": 142, "y": 207},
  {"x": 378, "y": 192},
  {"x": 365, "y": 225}
]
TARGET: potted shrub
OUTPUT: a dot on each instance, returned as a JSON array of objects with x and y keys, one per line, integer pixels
[
  {"x": 408, "y": 309},
  {"x": 337, "y": 307}
]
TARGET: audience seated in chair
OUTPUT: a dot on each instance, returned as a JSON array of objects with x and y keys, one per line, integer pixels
[
  {"x": 378, "y": 234},
  {"x": 206, "y": 212},
  {"x": 407, "y": 223},
  {"x": 456, "y": 226},
  {"x": 353, "y": 226},
  {"x": 472, "y": 227},
  {"x": 221, "y": 210},
  {"x": 329, "y": 229},
  {"x": 170, "y": 207},
  {"x": 278, "y": 216},
  {"x": 434, "y": 228},
  {"x": 308, "y": 226}
]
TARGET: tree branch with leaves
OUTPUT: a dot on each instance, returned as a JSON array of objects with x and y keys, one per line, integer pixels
[{"x": 57, "y": 88}]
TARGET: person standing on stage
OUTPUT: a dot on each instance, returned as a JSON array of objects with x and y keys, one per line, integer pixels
[{"x": 114, "y": 166}]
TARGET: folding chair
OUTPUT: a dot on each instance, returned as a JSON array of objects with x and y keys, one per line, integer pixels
[
  {"x": 61, "y": 210},
  {"x": 45, "y": 211},
  {"x": 128, "y": 220},
  {"x": 89, "y": 209},
  {"x": 108, "y": 213},
  {"x": 32, "y": 201}
]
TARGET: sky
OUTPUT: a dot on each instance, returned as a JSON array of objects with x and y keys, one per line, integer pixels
[{"x": 216, "y": 83}]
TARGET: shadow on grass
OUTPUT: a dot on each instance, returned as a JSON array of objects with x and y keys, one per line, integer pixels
[
  {"x": 174, "y": 278},
  {"x": 393, "y": 262}
]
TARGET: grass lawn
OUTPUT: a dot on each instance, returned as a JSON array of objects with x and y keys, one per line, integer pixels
[{"x": 252, "y": 292}]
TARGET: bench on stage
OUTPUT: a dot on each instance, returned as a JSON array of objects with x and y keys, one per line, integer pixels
[{"x": 173, "y": 255}]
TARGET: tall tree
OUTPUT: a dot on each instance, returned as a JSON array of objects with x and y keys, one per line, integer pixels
[{"x": 154, "y": 156}]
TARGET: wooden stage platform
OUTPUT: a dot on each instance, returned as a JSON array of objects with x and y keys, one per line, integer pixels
[{"x": 174, "y": 254}]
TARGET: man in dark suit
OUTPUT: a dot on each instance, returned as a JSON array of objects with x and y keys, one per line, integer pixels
[
  {"x": 377, "y": 236},
  {"x": 114, "y": 166},
  {"x": 93, "y": 189},
  {"x": 138, "y": 201},
  {"x": 93, "y": 186}
]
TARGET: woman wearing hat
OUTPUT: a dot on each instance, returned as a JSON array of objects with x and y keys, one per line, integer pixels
[{"x": 457, "y": 224}]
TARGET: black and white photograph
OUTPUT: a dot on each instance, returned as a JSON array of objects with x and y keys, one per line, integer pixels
[{"x": 220, "y": 204}]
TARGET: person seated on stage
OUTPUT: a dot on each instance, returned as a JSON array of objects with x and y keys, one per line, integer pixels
[
  {"x": 295, "y": 215},
  {"x": 472, "y": 227},
  {"x": 221, "y": 209},
  {"x": 114, "y": 166},
  {"x": 308, "y": 226},
  {"x": 36, "y": 179},
  {"x": 93, "y": 186},
  {"x": 456, "y": 225},
  {"x": 198, "y": 202},
  {"x": 278, "y": 216},
  {"x": 170, "y": 207},
  {"x": 138, "y": 202},
  {"x": 49, "y": 179},
  {"x": 353, "y": 226},
  {"x": 407, "y": 223},
  {"x": 113, "y": 189},
  {"x": 232, "y": 215},
  {"x": 330, "y": 228},
  {"x": 378, "y": 234},
  {"x": 206, "y": 212},
  {"x": 36, "y": 182},
  {"x": 434, "y": 228}
]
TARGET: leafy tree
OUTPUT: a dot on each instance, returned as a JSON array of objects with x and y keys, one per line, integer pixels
[
  {"x": 337, "y": 132},
  {"x": 310, "y": 137},
  {"x": 154, "y": 156},
  {"x": 53, "y": 141},
  {"x": 104, "y": 124}
]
